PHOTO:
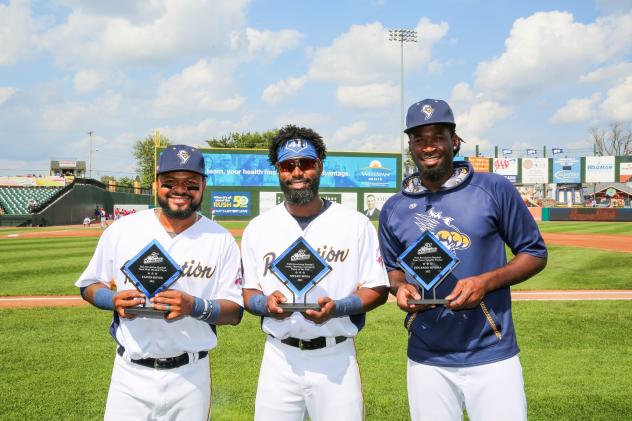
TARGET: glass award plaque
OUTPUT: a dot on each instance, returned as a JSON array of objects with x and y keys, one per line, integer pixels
[
  {"x": 151, "y": 271},
  {"x": 300, "y": 268},
  {"x": 428, "y": 262}
]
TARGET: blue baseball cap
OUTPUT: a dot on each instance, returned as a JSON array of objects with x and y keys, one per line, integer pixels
[
  {"x": 296, "y": 148},
  {"x": 181, "y": 158},
  {"x": 429, "y": 111}
]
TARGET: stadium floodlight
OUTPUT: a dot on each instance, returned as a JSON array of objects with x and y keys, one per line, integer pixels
[{"x": 402, "y": 36}]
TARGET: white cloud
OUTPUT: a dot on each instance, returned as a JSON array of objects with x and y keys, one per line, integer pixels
[
  {"x": 548, "y": 48},
  {"x": 6, "y": 93},
  {"x": 88, "y": 80},
  {"x": 271, "y": 44},
  {"x": 614, "y": 6},
  {"x": 618, "y": 103},
  {"x": 17, "y": 31},
  {"x": 364, "y": 54},
  {"x": 356, "y": 137},
  {"x": 479, "y": 118},
  {"x": 274, "y": 93},
  {"x": 312, "y": 120},
  {"x": 204, "y": 86},
  {"x": 462, "y": 93},
  {"x": 577, "y": 110},
  {"x": 197, "y": 134},
  {"x": 169, "y": 28},
  {"x": 617, "y": 71},
  {"x": 375, "y": 95}
]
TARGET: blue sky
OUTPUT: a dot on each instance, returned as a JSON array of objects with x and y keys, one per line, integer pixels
[{"x": 517, "y": 74}]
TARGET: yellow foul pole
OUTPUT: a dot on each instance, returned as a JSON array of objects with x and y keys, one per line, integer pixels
[{"x": 156, "y": 146}]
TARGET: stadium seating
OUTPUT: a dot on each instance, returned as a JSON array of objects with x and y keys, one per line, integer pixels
[{"x": 15, "y": 200}]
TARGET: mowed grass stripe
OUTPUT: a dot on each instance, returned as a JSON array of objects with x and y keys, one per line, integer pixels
[
  {"x": 575, "y": 356},
  {"x": 46, "y": 253},
  {"x": 47, "y": 243},
  {"x": 613, "y": 228}
]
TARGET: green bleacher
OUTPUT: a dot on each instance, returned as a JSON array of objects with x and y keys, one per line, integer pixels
[{"x": 15, "y": 200}]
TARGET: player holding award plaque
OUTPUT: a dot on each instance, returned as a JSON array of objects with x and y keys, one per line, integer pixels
[
  {"x": 151, "y": 271},
  {"x": 428, "y": 262},
  {"x": 300, "y": 268},
  {"x": 446, "y": 231},
  {"x": 168, "y": 276},
  {"x": 312, "y": 269}
]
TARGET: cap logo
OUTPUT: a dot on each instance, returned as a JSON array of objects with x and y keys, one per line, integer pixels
[
  {"x": 183, "y": 155},
  {"x": 428, "y": 111},
  {"x": 295, "y": 145}
]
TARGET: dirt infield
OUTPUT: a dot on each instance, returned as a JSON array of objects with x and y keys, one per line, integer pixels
[
  {"x": 621, "y": 243},
  {"x": 552, "y": 295}
]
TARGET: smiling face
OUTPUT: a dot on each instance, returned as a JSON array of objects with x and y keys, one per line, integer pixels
[
  {"x": 299, "y": 179},
  {"x": 180, "y": 193},
  {"x": 432, "y": 149}
]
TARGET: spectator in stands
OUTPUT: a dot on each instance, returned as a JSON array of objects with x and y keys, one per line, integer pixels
[{"x": 32, "y": 204}]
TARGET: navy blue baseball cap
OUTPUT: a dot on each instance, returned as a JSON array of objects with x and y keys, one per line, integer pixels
[
  {"x": 181, "y": 158},
  {"x": 429, "y": 111}
]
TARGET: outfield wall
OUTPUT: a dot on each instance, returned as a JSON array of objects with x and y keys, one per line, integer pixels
[{"x": 587, "y": 214}]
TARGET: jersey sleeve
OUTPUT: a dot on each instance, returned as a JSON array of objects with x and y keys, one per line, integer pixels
[
  {"x": 249, "y": 262},
  {"x": 517, "y": 226},
  {"x": 371, "y": 271},
  {"x": 100, "y": 269},
  {"x": 229, "y": 275}
]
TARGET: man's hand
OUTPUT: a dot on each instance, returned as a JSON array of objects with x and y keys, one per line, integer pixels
[
  {"x": 273, "y": 307},
  {"x": 327, "y": 309},
  {"x": 407, "y": 292},
  {"x": 127, "y": 299},
  {"x": 177, "y": 303},
  {"x": 467, "y": 293}
]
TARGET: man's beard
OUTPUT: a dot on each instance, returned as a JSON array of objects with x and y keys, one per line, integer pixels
[
  {"x": 179, "y": 214},
  {"x": 303, "y": 196},
  {"x": 437, "y": 173}
]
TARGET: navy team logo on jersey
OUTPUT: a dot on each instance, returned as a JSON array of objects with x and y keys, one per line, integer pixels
[
  {"x": 184, "y": 156},
  {"x": 428, "y": 111},
  {"x": 443, "y": 228}
]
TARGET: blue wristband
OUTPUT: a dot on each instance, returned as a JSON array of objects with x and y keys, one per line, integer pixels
[
  {"x": 348, "y": 306},
  {"x": 104, "y": 298},
  {"x": 205, "y": 310},
  {"x": 257, "y": 305}
]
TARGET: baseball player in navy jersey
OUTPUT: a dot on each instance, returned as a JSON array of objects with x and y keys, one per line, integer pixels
[
  {"x": 463, "y": 355},
  {"x": 309, "y": 365},
  {"x": 161, "y": 370}
]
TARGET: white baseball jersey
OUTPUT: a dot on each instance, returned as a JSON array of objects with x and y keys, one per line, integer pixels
[
  {"x": 209, "y": 258},
  {"x": 345, "y": 238}
]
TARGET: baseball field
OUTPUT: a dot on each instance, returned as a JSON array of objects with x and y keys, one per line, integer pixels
[{"x": 576, "y": 356}]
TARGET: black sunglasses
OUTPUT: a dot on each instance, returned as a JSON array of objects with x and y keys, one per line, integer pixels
[{"x": 304, "y": 164}]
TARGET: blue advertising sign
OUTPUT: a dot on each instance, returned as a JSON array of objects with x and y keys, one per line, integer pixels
[
  {"x": 254, "y": 170},
  {"x": 566, "y": 170},
  {"x": 230, "y": 203}
]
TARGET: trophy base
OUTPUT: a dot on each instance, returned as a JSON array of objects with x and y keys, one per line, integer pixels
[
  {"x": 429, "y": 301},
  {"x": 146, "y": 312},
  {"x": 293, "y": 307}
]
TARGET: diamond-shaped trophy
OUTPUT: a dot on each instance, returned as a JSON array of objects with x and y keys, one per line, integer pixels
[
  {"x": 300, "y": 268},
  {"x": 151, "y": 271},
  {"x": 428, "y": 262}
]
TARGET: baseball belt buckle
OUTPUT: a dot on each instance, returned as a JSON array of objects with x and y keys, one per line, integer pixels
[
  {"x": 156, "y": 363},
  {"x": 301, "y": 345}
]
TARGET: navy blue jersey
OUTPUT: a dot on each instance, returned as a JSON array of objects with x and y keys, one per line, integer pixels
[{"x": 474, "y": 215}]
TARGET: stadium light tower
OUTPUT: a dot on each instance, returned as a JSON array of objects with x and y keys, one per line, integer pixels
[
  {"x": 90, "y": 156},
  {"x": 402, "y": 36}
]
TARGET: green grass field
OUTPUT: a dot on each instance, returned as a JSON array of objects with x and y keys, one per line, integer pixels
[
  {"x": 576, "y": 359},
  {"x": 50, "y": 266}
]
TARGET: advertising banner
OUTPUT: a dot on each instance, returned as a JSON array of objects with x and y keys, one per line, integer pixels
[
  {"x": 373, "y": 203},
  {"x": 231, "y": 203},
  {"x": 566, "y": 170},
  {"x": 267, "y": 200},
  {"x": 625, "y": 172},
  {"x": 507, "y": 167},
  {"x": 600, "y": 169},
  {"x": 254, "y": 170},
  {"x": 535, "y": 170},
  {"x": 479, "y": 164}
]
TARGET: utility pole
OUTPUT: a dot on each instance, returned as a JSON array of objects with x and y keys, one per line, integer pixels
[
  {"x": 90, "y": 156},
  {"x": 402, "y": 36}
]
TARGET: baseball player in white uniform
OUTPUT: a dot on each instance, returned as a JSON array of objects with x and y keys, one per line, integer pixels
[
  {"x": 309, "y": 365},
  {"x": 161, "y": 370}
]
